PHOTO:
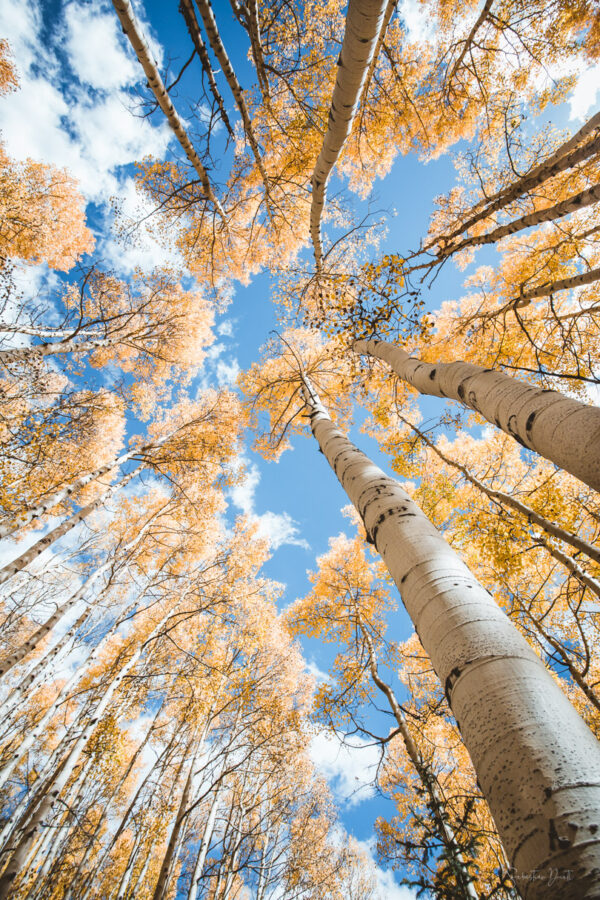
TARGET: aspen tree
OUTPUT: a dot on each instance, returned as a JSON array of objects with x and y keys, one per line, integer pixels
[
  {"x": 494, "y": 682},
  {"x": 562, "y": 430},
  {"x": 364, "y": 22},
  {"x": 126, "y": 16}
]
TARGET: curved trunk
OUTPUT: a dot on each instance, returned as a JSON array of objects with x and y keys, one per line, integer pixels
[
  {"x": 364, "y": 21},
  {"x": 536, "y": 761},
  {"x": 558, "y": 428}
]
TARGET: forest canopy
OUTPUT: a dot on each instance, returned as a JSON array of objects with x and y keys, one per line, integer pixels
[{"x": 299, "y": 450}]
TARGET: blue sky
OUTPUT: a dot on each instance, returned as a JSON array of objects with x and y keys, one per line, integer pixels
[{"x": 79, "y": 80}]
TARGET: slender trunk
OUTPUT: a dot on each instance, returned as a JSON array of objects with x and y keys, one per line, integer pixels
[
  {"x": 204, "y": 847},
  {"x": 126, "y": 16},
  {"x": 560, "y": 429},
  {"x": 178, "y": 823},
  {"x": 33, "y": 641},
  {"x": 364, "y": 21},
  {"x": 552, "y": 287},
  {"x": 128, "y": 871},
  {"x": 114, "y": 793},
  {"x": 428, "y": 779},
  {"x": 540, "y": 172},
  {"x": 39, "y": 351},
  {"x": 522, "y": 186},
  {"x": 565, "y": 207},
  {"x": 536, "y": 761},
  {"x": 22, "y": 561},
  {"x": 159, "y": 767},
  {"x": 21, "y": 850},
  {"x": 186, "y": 8},
  {"x": 507, "y": 500},
  {"x": 218, "y": 49}
]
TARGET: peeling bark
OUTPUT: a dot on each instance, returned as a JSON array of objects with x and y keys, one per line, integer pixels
[
  {"x": 560, "y": 429},
  {"x": 536, "y": 761}
]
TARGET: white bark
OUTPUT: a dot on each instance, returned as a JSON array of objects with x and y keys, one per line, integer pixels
[
  {"x": 560, "y": 429},
  {"x": 584, "y": 198},
  {"x": 189, "y": 14},
  {"x": 126, "y": 16},
  {"x": 364, "y": 20},
  {"x": 218, "y": 49},
  {"x": 22, "y": 561},
  {"x": 204, "y": 847},
  {"x": 40, "y": 633},
  {"x": 530, "y": 514},
  {"x": 33, "y": 825},
  {"x": 178, "y": 825},
  {"x": 546, "y": 170},
  {"x": 40, "y": 351},
  {"x": 536, "y": 761}
]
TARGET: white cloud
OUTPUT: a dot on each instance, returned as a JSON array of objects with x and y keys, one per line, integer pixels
[
  {"x": 276, "y": 528},
  {"x": 387, "y": 886},
  {"x": 90, "y": 132},
  {"x": 94, "y": 48},
  {"x": 583, "y": 96},
  {"x": 318, "y": 674},
  {"x": 350, "y": 768}
]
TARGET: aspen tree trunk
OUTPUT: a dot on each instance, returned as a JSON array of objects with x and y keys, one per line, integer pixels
[
  {"x": 527, "y": 183},
  {"x": 178, "y": 824},
  {"x": 204, "y": 847},
  {"x": 22, "y": 561},
  {"x": 126, "y": 16},
  {"x": 64, "y": 493},
  {"x": 536, "y": 761},
  {"x": 22, "y": 849},
  {"x": 159, "y": 767},
  {"x": 39, "y": 727},
  {"x": 32, "y": 642},
  {"x": 40, "y": 351},
  {"x": 543, "y": 170},
  {"x": 263, "y": 871},
  {"x": 218, "y": 49},
  {"x": 45, "y": 854},
  {"x": 531, "y": 515},
  {"x": 364, "y": 21},
  {"x": 69, "y": 895},
  {"x": 186, "y": 7},
  {"x": 141, "y": 877},
  {"x": 33, "y": 677},
  {"x": 128, "y": 871},
  {"x": 578, "y": 201},
  {"x": 464, "y": 881},
  {"x": 560, "y": 429},
  {"x": 552, "y": 287}
]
